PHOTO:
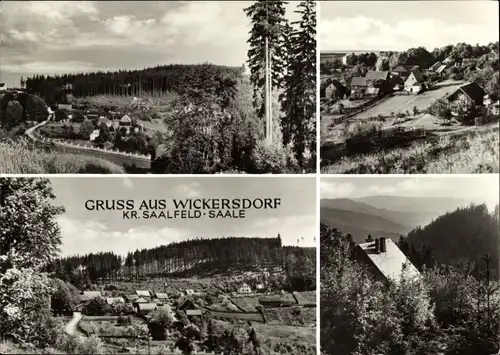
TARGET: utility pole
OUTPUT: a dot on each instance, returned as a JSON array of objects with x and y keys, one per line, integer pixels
[{"x": 268, "y": 86}]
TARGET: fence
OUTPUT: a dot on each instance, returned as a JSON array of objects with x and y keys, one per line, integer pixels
[{"x": 363, "y": 107}]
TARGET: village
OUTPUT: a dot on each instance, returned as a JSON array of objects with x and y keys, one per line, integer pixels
[
  {"x": 364, "y": 110},
  {"x": 125, "y": 319}
]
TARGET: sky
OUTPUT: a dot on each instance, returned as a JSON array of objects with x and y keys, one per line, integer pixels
[
  {"x": 474, "y": 188},
  {"x": 85, "y": 231},
  {"x": 400, "y": 25},
  {"x": 49, "y": 37}
]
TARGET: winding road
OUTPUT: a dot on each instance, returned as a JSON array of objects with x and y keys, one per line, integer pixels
[{"x": 72, "y": 324}]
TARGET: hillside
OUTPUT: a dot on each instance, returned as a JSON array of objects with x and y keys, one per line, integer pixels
[
  {"x": 463, "y": 235},
  {"x": 392, "y": 216}
]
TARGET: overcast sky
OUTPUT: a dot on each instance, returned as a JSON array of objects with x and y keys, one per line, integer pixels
[
  {"x": 86, "y": 231},
  {"x": 400, "y": 25},
  {"x": 474, "y": 188},
  {"x": 73, "y": 36}
]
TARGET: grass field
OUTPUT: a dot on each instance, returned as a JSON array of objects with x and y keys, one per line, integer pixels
[
  {"x": 460, "y": 154},
  {"x": 291, "y": 316},
  {"x": 20, "y": 158},
  {"x": 403, "y": 103}
]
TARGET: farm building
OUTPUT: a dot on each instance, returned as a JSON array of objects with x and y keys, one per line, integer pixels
[
  {"x": 373, "y": 76},
  {"x": 190, "y": 308},
  {"x": 245, "y": 289},
  {"x": 145, "y": 308},
  {"x": 470, "y": 91},
  {"x": 415, "y": 81},
  {"x": 125, "y": 121},
  {"x": 441, "y": 69},
  {"x": 386, "y": 260},
  {"x": 190, "y": 292},
  {"x": 260, "y": 288},
  {"x": 161, "y": 296}
]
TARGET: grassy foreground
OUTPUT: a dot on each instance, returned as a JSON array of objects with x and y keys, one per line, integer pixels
[
  {"x": 471, "y": 154},
  {"x": 19, "y": 158}
]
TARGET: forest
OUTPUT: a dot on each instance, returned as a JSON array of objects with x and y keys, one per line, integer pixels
[
  {"x": 452, "y": 309},
  {"x": 222, "y": 254}
]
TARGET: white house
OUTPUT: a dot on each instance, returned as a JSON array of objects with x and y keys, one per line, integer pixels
[{"x": 245, "y": 289}]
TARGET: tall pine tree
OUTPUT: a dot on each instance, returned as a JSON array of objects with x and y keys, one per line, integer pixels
[
  {"x": 298, "y": 124},
  {"x": 268, "y": 21}
]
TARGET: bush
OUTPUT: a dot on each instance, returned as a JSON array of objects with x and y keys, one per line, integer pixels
[{"x": 273, "y": 159}]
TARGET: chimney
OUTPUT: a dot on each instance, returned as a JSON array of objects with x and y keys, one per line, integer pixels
[
  {"x": 383, "y": 247},
  {"x": 377, "y": 246}
]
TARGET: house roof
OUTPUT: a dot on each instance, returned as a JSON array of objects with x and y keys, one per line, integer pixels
[
  {"x": 377, "y": 75},
  {"x": 391, "y": 262},
  {"x": 440, "y": 69},
  {"x": 372, "y": 91},
  {"x": 189, "y": 290},
  {"x": 92, "y": 294},
  {"x": 142, "y": 293},
  {"x": 126, "y": 119},
  {"x": 131, "y": 297},
  {"x": 64, "y": 106},
  {"x": 435, "y": 66},
  {"x": 146, "y": 306},
  {"x": 418, "y": 76},
  {"x": 473, "y": 91},
  {"x": 111, "y": 300},
  {"x": 140, "y": 300},
  {"x": 188, "y": 304},
  {"x": 358, "y": 81},
  {"x": 338, "y": 85},
  {"x": 400, "y": 69},
  {"x": 161, "y": 295},
  {"x": 193, "y": 312}
]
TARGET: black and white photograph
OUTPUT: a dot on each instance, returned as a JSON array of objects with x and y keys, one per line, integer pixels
[
  {"x": 124, "y": 265},
  {"x": 409, "y": 87},
  {"x": 160, "y": 87},
  {"x": 410, "y": 265}
]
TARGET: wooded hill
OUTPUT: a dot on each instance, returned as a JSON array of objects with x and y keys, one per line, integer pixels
[
  {"x": 195, "y": 81},
  {"x": 203, "y": 254}
]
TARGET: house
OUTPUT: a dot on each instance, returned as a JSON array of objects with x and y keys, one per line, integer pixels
[
  {"x": 260, "y": 288},
  {"x": 470, "y": 92},
  {"x": 441, "y": 69},
  {"x": 373, "y": 76},
  {"x": 415, "y": 82},
  {"x": 113, "y": 300},
  {"x": 190, "y": 308},
  {"x": 145, "y": 308},
  {"x": 130, "y": 298},
  {"x": 161, "y": 297},
  {"x": 245, "y": 289},
  {"x": 358, "y": 85},
  {"x": 400, "y": 71},
  {"x": 67, "y": 107},
  {"x": 125, "y": 121},
  {"x": 379, "y": 80},
  {"x": 142, "y": 293},
  {"x": 105, "y": 120},
  {"x": 94, "y": 135},
  {"x": 190, "y": 292},
  {"x": 92, "y": 294},
  {"x": 385, "y": 260},
  {"x": 435, "y": 66},
  {"x": 335, "y": 90}
]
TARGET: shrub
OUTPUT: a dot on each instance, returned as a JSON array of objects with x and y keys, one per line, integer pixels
[{"x": 271, "y": 159}]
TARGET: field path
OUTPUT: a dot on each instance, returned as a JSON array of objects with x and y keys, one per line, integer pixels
[{"x": 71, "y": 326}]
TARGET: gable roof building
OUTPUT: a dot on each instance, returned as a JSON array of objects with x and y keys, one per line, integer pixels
[
  {"x": 142, "y": 293},
  {"x": 125, "y": 120},
  {"x": 131, "y": 298},
  {"x": 386, "y": 260},
  {"x": 161, "y": 295},
  {"x": 435, "y": 66},
  {"x": 373, "y": 75},
  {"x": 112, "y": 300},
  {"x": 471, "y": 91},
  {"x": 358, "y": 81},
  {"x": 144, "y": 308}
]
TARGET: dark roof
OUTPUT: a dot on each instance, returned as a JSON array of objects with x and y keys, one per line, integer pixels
[
  {"x": 146, "y": 306},
  {"x": 435, "y": 66},
  {"x": 337, "y": 84},
  {"x": 358, "y": 81},
  {"x": 377, "y": 75},
  {"x": 418, "y": 75},
  {"x": 400, "y": 69},
  {"x": 391, "y": 262},
  {"x": 473, "y": 91}
]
